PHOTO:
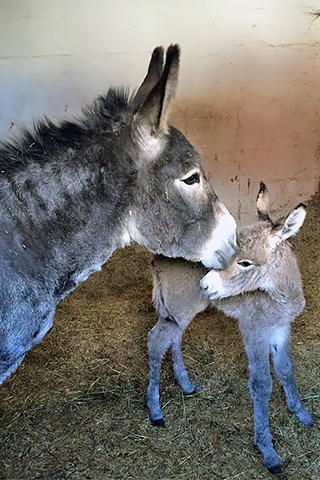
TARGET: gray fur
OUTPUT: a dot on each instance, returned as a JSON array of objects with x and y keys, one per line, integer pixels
[
  {"x": 71, "y": 194},
  {"x": 262, "y": 290}
]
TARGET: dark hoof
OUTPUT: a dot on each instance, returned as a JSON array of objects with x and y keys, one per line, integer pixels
[
  {"x": 159, "y": 422},
  {"x": 190, "y": 394},
  {"x": 276, "y": 470},
  {"x": 196, "y": 390}
]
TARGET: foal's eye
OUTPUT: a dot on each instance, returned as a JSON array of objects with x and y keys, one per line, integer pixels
[
  {"x": 194, "y": 178},
  {"x": 245, "y": 263}
]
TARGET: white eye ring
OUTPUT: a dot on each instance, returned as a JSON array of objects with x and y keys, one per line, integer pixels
[
  {"x": 193, "y": 177},
  {"x": 245, "y": 263}
]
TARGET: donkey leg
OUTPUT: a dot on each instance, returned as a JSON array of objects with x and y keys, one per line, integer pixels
[
  {"x": 159, "y": 341},
  {"x": 284, "y": 368},
  {"x": 260, "y": 386},
  {"x": 179, "y": 369}
]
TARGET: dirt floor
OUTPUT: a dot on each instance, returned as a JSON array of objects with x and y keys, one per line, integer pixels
[{"x": 75, "y": 408}]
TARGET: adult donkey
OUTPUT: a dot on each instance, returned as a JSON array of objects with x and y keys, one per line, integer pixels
[{"x": 71, "y": 194}]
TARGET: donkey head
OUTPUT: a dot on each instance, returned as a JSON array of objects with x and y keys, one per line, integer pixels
[
  {"x": 265, "y": 260},
  {"x": 175, "y": 211}
]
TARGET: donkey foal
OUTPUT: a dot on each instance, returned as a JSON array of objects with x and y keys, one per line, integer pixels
[{"x": 262, "y": 289}]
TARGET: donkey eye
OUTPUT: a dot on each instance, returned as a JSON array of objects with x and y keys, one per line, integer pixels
[
  {"x": 194, "y": 178},
  {"x": 245, "y": 263}
]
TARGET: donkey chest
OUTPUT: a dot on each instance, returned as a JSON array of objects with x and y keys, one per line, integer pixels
[{"x": 67, "y": 282}]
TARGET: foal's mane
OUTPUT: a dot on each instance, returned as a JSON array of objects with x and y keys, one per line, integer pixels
[{"x": 46, "y": 138}]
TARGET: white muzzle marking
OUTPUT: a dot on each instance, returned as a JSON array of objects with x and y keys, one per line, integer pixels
[
  {"x": 222, "y": 244},
  {"x": 211, "y": 285}
]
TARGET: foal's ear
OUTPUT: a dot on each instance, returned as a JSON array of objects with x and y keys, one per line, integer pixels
[
  {"x": 152, "y": 77},
  {"x": 291, "y": 225},
  {"x": 263, "y": 202},
  {"x": 150, "y": 119},
  {"x": 294, "y": 221}
]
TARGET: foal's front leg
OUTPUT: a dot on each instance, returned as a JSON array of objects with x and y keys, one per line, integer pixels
[
  {"x": 260, "y": 386},
  {"x": 179, "y": 369},
  {"x": 284, "y": 368}
]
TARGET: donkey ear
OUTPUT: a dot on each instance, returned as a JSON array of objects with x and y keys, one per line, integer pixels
[
  {"x": 294, "y": 221},
  {"x": 150, "y": 120},
  {"x": 152, "y": 77},
  {"x": 291, "y": 225},
  {"x": 263, "y": 202}
]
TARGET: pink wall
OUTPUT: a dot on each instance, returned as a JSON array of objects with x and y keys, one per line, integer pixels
[{"x": 249, "y": 91}]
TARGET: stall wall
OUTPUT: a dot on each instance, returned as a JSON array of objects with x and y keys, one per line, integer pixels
[{"x": 249, "y": 92}]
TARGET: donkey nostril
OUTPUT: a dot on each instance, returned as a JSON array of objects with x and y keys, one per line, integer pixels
[{"x": 203, "y": 286}]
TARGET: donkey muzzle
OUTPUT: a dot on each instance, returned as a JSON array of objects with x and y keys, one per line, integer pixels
[{"x": 222, "y": 245}]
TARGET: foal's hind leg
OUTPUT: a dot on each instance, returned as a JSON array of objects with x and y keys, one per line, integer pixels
[
  {"x": 159, "y": 341},
  {"x": 284, "y": 368},
  {"x": 260, "y": 386},
  {"x": 179, "y": 369},
  {"x": 164, "y": 335}
]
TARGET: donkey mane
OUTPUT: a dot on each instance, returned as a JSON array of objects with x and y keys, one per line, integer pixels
[{"x": 108, "y": 113}]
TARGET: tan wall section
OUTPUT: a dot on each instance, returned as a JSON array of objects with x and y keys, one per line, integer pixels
[{"x": 249, "y": 92}]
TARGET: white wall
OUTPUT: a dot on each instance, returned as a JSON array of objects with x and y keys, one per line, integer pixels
[{"x": 249, "y": 92}]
